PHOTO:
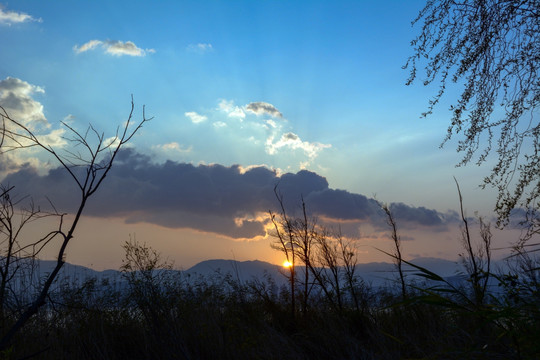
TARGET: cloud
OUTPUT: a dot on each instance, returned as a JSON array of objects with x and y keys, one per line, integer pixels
[
  {"x": 232, "y": 201},
  {"x": 420, "y": 215},
  {"x": 91, "y": 45},
  {"x": 271, "y": 123},
  {"x": 173, "y": 146},
  {"x": 261, "y": 108},
  {"x": 272, "y": 136},
  {"x": 219, "y": 124},
  {"x": 119, "y": 48},
  {"x": 16, "y": 98},
  {"x": 292, "y": 141},
  {"x": 55, "y": 138},
  {"x": 257, "y": 108},
  {"x": 69, "y": 118},
  {"x": 195, "y": 118},
  {"x": 13, "y": 17},
  {"x": 113, "y": 47},
  {"x": 290, "y": 137},
  {"x": 232, "y": 111},
  {"x": 200, "y": 48}
]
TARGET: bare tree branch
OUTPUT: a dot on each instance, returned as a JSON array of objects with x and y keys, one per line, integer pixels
[{"x": 96, "y": 159}]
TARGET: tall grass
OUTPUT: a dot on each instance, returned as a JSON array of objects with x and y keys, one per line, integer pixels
[{"x": 165, "y": 315}]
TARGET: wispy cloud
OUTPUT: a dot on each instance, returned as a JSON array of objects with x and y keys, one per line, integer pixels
[
  {"x": 200, "y": 48},
  {"x": 92, "y": 44},
  {"x": 195, "y": 118},
  {"x": 14, "y": 17},
  {"x": 232, "y": 111},
  {"x": 69, "y": 118},
  {"x": 113, "y": 47}
]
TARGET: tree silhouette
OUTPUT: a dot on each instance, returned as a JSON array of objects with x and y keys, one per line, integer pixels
[
  {"x": 492, "y": 49},
  {"x": 87, "y": 162},
  {"x": 329, "y": 259}
]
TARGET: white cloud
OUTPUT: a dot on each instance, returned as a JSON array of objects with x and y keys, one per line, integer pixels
[
  {"x": 55, "y": 138},
  {"x": 233, "y": 111},
  {"x": 92, "y": 44},
  {"x": 238, "y": 126},
  {"x": 113, "y": 47},
  {"x": 200, "y": 48},
  {"x": 261, "y": 108},
  {"x": 292, "y": 141},
  {"x": 244, "y": 169},
  {"x": 13, "y": 17},
  {"x": 174, "y": 146},
  {"x": 119, "y": 48},
  {"x": 69, "y": 119},
  {"x": 257, "y": 108},
  {"x": 259, "y": 216},
  {"x": 195, "y": 118},
  {"x": 16, "y": 98},
  {"x": 219, "y": 124},
  {"x": 112, "y": 141},
  {"x": 237, "y": 113},
  {"x": 253, "y": 140},
  {"x": 272, "y": 123}
]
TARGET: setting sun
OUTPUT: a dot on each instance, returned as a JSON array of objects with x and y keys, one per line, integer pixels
[{"x": 287, "y": 264}]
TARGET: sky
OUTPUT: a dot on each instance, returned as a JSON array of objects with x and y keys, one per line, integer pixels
[{"x": 244, "y": 95}]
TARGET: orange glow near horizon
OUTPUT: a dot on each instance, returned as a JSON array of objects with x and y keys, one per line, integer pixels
[{"x": 287, "y": 264}]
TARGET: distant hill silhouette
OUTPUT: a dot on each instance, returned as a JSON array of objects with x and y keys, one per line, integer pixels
[
  {"x": 375, "y": 273},
  {"x": 240, "y": 270}
]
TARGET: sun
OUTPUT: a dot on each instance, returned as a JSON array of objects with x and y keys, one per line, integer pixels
[{"x": 287, "y": 264}]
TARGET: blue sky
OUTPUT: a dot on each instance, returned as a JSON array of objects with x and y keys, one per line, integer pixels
[{"x": 284, "y": 85}]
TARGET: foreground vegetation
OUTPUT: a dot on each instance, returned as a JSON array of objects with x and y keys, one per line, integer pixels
[{"x": 162, "y": 314}]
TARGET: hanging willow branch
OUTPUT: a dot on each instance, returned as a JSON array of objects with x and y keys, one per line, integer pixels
[{"x": 492, "y": 49}]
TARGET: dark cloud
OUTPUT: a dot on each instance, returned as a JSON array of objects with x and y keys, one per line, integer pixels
[
  {"x": 219, "y": 224},
  {"x": 420, "y": 215},
  {"x": 290, "y": 136},
  {"x": 341, "y": 204},
  {"x": 213, "y": 198},
  {"x": 261, "y": 108}
]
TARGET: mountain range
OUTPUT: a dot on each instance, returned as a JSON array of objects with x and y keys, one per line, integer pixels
[{"x": 375, "y": 273}]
